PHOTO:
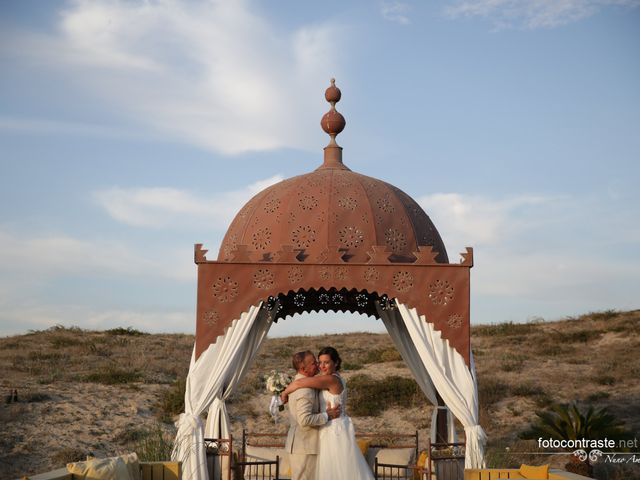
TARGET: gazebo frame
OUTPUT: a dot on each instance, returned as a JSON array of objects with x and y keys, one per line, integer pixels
[{"x": 243, "y": 292}]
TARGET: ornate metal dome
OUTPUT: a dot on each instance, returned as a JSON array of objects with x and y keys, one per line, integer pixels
[{"x": 330, "y": 210}]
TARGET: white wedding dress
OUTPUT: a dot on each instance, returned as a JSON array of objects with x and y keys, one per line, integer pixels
[{"x": 339, "y": 457}]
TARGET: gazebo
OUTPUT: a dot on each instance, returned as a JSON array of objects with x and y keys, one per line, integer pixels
[{"x": 331, "y": 240}]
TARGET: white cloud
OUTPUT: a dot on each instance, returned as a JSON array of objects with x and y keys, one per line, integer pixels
[
  {"x": 513, "y": 266},
  {"x": 395, "y": 11},
  {"x": 532, "y": 14},
  {"x": 37, "y": 257},
  {"x": 551, "y": 276},
  {"x": 467, "y": 220},
  {"x": 163, "y": 207},
  {"x": 209, "y": 73},
  {"x": 56, "y": 127}
]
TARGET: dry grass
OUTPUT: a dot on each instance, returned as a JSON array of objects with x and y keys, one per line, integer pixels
[{"x": 85, "y": 392}]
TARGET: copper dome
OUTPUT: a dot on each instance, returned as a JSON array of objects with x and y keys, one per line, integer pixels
[{"x": 331, "y": 209}]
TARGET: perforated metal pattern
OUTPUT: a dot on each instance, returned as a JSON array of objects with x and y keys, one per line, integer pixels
[
  {"x": 225, "y": 289},
  {"x": 441, "y": 292},
  {"x": 332, "y": 207}
]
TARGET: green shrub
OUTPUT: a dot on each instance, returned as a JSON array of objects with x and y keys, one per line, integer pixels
[
  {"x": 130, "y": 435},
  {"x": 154, "y": 445},
  {"x": 579, "y": 336},
  {"x": 68, "y": 455},
  {"x": 172, "y": 401},
  {"x": 125, "y": 331},
  {"x": 62, "y": 328},
  {"x": 504, "y": 329},
  {"x": 64, "y": 341},
  {"x": 351, "y": 366},
  {"x": 538, "y": 394},
  {"x": 598, "y": 396},
  {"x": 381, "y": 355},
  {"x": 491, "y": 391},
  {"x": 604, "y": 379},
  {"x": 53, "y": 357},
  {"x": 36, "y": 397},
  {"x": 526, "y": 390},
  {"x": 369, "y": 397},
  {"x": 604, "y": 315},
  {"x": 114, "y": 376},
  {"x": 512, "y": 363}
]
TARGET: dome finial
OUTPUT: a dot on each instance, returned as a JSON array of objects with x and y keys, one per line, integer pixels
[{"x": 333, "y": 123}]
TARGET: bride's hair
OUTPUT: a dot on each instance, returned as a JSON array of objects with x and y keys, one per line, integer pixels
[{"x": 333, "y": 353}]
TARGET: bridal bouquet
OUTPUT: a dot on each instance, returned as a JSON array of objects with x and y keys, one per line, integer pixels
[{"x": 276, "y": 382}]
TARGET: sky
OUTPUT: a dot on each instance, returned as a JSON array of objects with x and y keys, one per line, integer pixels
[{"x": 131, "y": 130}]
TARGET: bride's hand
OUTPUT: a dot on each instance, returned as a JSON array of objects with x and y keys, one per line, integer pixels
[
  {"x": 333, "y": 411},
  {"x": 284, "y": 397}
]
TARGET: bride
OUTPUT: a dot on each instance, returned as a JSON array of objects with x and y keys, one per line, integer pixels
[{"x": 339, "y": 456}]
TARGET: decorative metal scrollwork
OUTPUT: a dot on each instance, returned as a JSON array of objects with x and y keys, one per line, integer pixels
[
  {"x": 387, "y": 303},
  {"x": 295, "y": 275},
  {"x": 225, "y": 289},
  {"x": 272, "y": 205},
  {"x": 211, "y": 318},
  {"x": 324, "y": 298},
  {"x": 263, "y": 279},
  {"x": 271, "y": 303},
  {"x": 298, "y": 300},
  {"x": 349, "y": 203},
  {"x": 303, "y": 236},
  {"x": 371, "y": 275},
  {"x": 395, "y": 239},
  {"x": 308, "y": 202},
  {"x": 217, "y": 447},
  {"x": 261, "y": 238},
  {"x": 402, "y": 281},
  {"x": 340, "y": 273},
  {"x": 384, "y": 204},
  {"x": 351, "y": 237},
  {"x": 272, "y": 306},
  {"x": 441, "y": 292},
  {"x": 455, "y": 321},
  {"x": 362, "y": 300}
]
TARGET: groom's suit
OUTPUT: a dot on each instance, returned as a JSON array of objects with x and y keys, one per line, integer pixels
[{"x": 302, "y": 440}]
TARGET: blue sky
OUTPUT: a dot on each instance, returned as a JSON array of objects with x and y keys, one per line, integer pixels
[{"x": 131, "y": 130}]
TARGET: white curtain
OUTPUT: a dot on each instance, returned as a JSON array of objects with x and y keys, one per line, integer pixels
[
  {"x": 454, "y": 381},
  {"x": 403, "y": 342},
  {"x": 210, "y": 381}
]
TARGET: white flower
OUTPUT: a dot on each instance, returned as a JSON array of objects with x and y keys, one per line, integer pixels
[{"x": 276, "y": 382}]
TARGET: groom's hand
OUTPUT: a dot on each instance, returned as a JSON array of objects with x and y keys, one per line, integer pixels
[{"x": 334, "y": 412}]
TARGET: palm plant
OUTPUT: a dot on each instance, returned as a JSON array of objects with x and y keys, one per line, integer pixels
[{"x": 568, "y": 422}]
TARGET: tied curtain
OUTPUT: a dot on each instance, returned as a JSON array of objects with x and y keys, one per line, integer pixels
[
  {"x": 454, "y": 381},
  {"x": 211, "y": 379},
  {"x": 403, "y": 342}
]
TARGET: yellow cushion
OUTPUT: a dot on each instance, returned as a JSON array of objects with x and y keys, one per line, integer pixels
[
  {"x": 363, "y": 444},
  {"x": 531, "y": 472},
  {"x": 421, "y": 463},
  {"x": 100, "y": 469}
]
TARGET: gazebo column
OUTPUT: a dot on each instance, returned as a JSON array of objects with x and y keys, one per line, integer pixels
[{"x": 442, "y": 422}]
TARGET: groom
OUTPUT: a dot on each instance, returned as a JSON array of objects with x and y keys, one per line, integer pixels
[{"x": 305, "y": 418}]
